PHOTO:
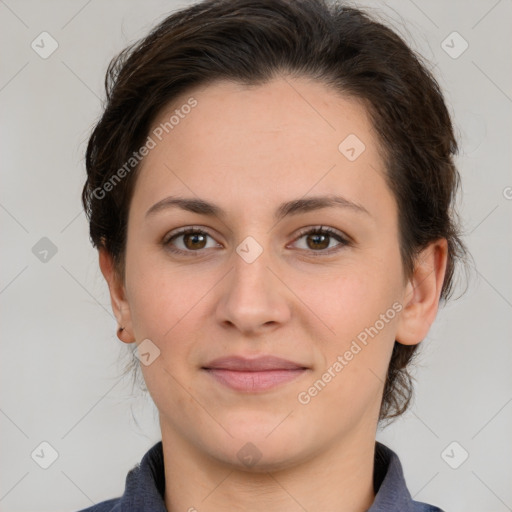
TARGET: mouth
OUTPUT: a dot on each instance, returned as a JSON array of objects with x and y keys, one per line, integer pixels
[{"x": 253, "y": 375}]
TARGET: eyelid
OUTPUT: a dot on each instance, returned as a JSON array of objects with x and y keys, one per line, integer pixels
[
  {"x": 184, "y": 230},
  {"x": 176, "y": 233},
  {"x": 324, "y": 229},
  {"x": 343, "y": 240}
]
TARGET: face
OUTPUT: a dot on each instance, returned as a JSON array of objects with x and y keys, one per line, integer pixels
[{"x": 259, "y": 279}]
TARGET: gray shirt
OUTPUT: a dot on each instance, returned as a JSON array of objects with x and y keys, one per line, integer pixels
[{"x": 145, "y": 485}]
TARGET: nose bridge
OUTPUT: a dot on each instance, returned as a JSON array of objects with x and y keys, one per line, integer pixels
[
  {"x": 252, "y": 296},
  {"x": 251, "y": 275}
]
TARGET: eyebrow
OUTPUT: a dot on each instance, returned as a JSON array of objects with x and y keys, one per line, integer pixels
[{"x": 293, "y": 207}]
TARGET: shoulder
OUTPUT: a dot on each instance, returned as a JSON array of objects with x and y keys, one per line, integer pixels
[
  {"x": 144, "y": 487},
  {"x": 390, "y": 487},
  {"x": 112, "y": 505},
  {"x": 425, "y": 507}
]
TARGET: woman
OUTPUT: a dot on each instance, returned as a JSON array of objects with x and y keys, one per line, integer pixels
[{"x": 270, "y": 189}]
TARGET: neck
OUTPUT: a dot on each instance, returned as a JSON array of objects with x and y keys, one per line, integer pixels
[{"x": 339, "y": 479}]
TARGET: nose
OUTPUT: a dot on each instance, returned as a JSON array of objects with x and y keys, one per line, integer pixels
[{"x": 254, "y": 297}]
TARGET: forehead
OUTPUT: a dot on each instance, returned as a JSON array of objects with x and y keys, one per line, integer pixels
[
  {"x": 263, "y": 143},
  {"x": 294, "y": 110}
]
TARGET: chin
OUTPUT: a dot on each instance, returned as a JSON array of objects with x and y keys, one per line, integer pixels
[
  {"x": 261, "y": 457},
  {"x": 263, "y": 444}
]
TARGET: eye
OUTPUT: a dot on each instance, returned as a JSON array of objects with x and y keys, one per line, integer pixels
[
  {"x": 193, "y": 240},
  {"x": 319, "y": 238}
]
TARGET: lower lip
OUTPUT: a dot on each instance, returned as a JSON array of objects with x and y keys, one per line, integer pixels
[{"x": 254, "y": 381}]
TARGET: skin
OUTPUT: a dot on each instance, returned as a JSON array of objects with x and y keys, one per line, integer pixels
[{"x": 248, "y": 149}]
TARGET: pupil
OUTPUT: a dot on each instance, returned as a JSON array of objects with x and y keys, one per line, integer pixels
[
  {"x": 193, "y": 235},
  {"x": 317, "y": 236}
]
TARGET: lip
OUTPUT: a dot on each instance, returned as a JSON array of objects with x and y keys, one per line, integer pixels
[
  {"x": 257, "y": 364},
  {"x": 253, "y": 375}
]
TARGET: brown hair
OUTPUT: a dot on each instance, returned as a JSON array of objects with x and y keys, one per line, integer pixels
[{"x": 250, "y": 42}]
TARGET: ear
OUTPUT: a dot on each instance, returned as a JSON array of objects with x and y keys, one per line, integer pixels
[
  {"x": 422, "y": 294},
  {"x": 120, "y": 305}
]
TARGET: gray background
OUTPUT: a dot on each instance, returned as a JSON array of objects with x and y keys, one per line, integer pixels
[{"x": 60, "y": 365}]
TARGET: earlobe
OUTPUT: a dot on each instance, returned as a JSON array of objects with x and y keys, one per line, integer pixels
[
  {"x": 120, "y": 305},
  {"x": 422, "y": 294}
]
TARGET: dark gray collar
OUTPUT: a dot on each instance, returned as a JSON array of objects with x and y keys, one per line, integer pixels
[{"x": 145, "y": 486}]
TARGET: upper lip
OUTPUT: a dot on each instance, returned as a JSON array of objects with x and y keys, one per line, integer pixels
[{"x": 261, "y": 363}]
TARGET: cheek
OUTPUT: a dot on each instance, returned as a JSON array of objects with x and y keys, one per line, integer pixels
[
  {"x": 353, "y": 298},
  {"x": 160, "y": 295},
  {"x": 165, "y": 310},
  {"x": 167, "y": 306},
  {"x": 361, "y": 307},
  {"x": 353, "y": 368}
]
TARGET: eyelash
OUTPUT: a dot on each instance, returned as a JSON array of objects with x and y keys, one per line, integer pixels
[{"x": 318, "y": 230}]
